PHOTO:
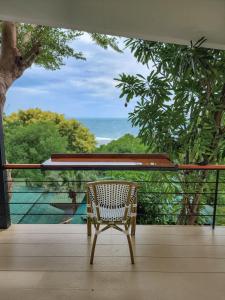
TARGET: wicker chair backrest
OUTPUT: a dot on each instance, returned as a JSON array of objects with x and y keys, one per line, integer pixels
[{"x": 112, "y": 200}]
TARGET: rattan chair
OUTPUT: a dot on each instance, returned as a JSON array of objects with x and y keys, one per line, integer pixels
[{"x": 112, "y": 203}]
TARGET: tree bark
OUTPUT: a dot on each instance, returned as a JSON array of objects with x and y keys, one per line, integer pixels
[
  {"x": 8, "y": 60},
  {"x": 12, "y": 63},
  {"x": 9, "y": 71}
]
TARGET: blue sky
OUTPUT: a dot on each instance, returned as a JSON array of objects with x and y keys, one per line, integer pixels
[{"x": 80, "y": 88}]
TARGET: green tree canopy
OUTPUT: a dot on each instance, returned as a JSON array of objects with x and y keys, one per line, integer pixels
[
  {"x": 34, "y": 142},
  {"x": 180, "y": 108},
  {"x": 126, "y": 144},
  {"x": 181, "y": 102},
  {"x": 78, "y": 137}
]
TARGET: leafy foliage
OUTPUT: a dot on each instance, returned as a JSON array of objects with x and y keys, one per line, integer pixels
[
  {"x": 49, "y": 46},
  {"x": 34, "y": 142},
  {"x": 153, "y": 207},
  {"x": 156, "y": 195},
  {"x": 180, "y": 108},
  {"x": 181, "y": 102},
  {"x": 106, "y": 41},
  {"x": 74, "y": 181},
  {"x": 126, "y": 144},
  {"x": 78, "y": 138},
  {"x": 47, "y": 133}
]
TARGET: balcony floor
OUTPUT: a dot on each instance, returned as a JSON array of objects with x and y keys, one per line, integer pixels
[{"x": 52, "y": 262}]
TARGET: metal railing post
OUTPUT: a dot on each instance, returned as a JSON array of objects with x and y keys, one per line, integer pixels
[{"x": 215, "y": 198}]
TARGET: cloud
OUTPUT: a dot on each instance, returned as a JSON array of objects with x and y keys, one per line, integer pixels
[
  {"x": 35, "y": 90},
  {"x": 79, "y": 88}
]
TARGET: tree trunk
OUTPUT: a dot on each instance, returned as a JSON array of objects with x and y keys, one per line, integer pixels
[
  {"x": 190, "y": 206},
  {"x": 12, "y": 66},
  {"x": 10, "y": 69},
  {"x": 190, "y": 203}
]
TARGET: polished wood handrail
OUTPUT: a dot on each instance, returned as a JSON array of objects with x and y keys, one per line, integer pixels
[
  {"x": 200, "y": 167},
  {"x": 179, "y": 167},
  {"x": 109, "y": 155}
]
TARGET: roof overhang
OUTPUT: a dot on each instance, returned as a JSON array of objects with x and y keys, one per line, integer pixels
[{"x": 174, "y": 21}]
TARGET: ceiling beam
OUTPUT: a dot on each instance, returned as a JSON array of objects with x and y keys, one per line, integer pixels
[{"x": 174, "y": 21}]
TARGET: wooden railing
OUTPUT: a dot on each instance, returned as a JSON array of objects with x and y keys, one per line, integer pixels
[
  {"x": 63, "y": 167},
  {"x": 214, "y": 168}
]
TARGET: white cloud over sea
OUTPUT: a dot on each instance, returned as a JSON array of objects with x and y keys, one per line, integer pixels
[{"x": 80, "y": 88}]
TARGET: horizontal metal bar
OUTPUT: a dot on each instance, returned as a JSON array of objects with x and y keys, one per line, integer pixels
[
  {"x": 148, "y": 192},
  {"x": 180, "y": 203},
  {"x": 49, "y": 203},
  {"x": 137, "y": 181},
  {"x": 66, "y": 214},
  {"x": 167, "y": 214},
  {"x": 145, "y": 202}
]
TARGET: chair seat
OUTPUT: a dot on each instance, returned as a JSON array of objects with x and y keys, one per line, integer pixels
[{"x": 111, "y": 214}]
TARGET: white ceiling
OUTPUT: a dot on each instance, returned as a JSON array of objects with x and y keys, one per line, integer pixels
[{"x": 177, "y": 21}]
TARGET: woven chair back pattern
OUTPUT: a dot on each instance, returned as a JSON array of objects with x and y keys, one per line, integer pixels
[{"x": 112, "y": 200}]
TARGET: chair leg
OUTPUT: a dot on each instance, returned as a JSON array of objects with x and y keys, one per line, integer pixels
[
  {"x": 130, "y": 246},
  {"x": 133, "y": 226},
  {"x": 93, "y": 246},
  {"x": 88, "y": 227},
  {"x": 131, "y": 249}
]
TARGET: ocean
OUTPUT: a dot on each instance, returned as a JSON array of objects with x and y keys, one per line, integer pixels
[{"x": 108, "y": 129}]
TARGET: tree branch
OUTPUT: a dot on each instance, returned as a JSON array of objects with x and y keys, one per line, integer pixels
[
  {"x": 10, "y": 54},
  {"x": 30, "y": 56}
]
